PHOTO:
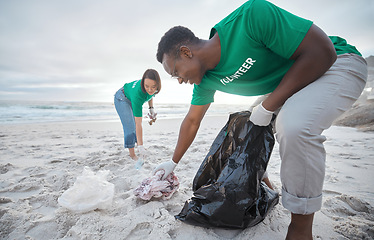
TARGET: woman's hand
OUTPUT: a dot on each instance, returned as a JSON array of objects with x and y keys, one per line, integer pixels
[
  {"x": 142, "y": 151},
  {"x": 152, "y": 114}
]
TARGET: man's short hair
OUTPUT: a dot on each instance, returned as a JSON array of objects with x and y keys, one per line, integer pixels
[{"x": 173, "y": 39}]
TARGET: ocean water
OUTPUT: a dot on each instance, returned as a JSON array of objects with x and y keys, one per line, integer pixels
[{"x": 16, "y": 112}]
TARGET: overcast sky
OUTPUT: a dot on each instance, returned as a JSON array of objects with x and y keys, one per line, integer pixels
[{"x": 85, "y": 50}]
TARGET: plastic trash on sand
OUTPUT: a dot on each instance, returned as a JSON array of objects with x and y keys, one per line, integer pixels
[
  {"x": 157, "y": 188},
  {"x": 90, "y": 191},
  {"x": 228, "y": 191}
]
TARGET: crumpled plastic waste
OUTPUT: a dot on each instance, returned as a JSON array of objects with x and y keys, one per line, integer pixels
[
  {"x": 90, "y": 191},
  {"x": 157, "y": 188},
  {"x": 228, "y": 191}
]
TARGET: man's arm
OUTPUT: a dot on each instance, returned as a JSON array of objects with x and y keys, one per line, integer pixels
[
  {"x": 314, "y": 56},
  {"x": 187, "y": 134},
  {"x": 188, "y": 130}
]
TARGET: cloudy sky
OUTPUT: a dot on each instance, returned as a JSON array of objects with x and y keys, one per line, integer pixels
[{"x": 84, "y": 50}]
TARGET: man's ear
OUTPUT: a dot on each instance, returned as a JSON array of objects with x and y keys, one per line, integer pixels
[{"x": 186, "y": 51}]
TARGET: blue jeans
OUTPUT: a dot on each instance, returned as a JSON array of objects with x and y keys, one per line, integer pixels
[{"x": 124, "y": 110}]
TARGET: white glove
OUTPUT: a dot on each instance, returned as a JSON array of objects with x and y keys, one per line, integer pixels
[
  {"x": 168, "y": 167},
  {"x": 260, "y": 116},
  {"x": 258, "y": 101},
  {"x": 142, "y": 151},
  {"x": 152, "y": 114}
]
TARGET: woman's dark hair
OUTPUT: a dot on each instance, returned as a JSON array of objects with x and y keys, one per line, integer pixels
[
  {"x": 173, "y": 39},
  {"x": 151, "y": 74}
]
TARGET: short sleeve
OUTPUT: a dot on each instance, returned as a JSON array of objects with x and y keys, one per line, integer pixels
[
  {"x": 137, "y": 108},
  {"x": 277, "y": 29},
  {"x": 202, "y": 96}
]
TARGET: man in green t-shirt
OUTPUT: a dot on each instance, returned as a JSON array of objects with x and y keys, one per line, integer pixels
[{"x": 310, "y": 80}]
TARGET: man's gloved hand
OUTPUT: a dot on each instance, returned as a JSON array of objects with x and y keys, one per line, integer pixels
[
  {"x": 258, "y": 101},
  {"x": 260, "y": 116},
  {"x": 168, "y": 167},
  {"x": 142, "y": 151}
]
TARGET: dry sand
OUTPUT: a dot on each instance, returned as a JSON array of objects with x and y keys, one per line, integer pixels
[{"x": 39, "y": 162}]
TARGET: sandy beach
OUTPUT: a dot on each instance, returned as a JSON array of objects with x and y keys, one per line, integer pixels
[{"x": 39, "y": 162}]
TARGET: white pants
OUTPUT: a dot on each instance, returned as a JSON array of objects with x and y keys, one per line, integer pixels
[{"x": 299, "y": 126}]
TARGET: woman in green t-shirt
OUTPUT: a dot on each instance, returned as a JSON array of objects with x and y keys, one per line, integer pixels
[{"x": 129, "y": 101}]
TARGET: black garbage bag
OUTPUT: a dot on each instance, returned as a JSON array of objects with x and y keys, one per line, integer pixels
[{"x": 228, "y": 191}]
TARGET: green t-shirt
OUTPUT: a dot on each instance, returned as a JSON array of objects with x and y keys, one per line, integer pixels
[
  {"x": 257, "y": 40},
  {"x": 137, "y": 97},
  {"x": 341, "y": 46}
]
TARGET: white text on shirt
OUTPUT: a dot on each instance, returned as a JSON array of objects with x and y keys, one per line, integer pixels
[{"x": 243, "y": 69}]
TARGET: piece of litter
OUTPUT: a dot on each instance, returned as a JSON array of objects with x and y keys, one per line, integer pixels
[{"x": 155, "y": 187}]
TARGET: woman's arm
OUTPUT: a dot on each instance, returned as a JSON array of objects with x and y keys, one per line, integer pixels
[
  {"x": 150, "y": 103},
  {"x": 139, "y": 130},
  {"x": 314, "y": 56}
]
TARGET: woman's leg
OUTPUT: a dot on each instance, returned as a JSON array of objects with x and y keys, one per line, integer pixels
[
  {"x": 300, "y": 124},
  {"x": 124, "y": 110},
  {"x": 132, "y": 154}
]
